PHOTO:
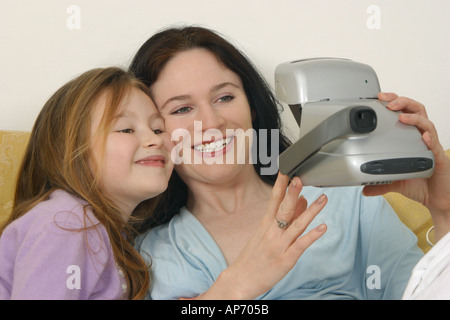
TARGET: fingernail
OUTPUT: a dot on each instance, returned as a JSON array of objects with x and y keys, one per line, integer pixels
[
  {"x": 322, "y": 227},
  {"x": 321, "y": 198}
]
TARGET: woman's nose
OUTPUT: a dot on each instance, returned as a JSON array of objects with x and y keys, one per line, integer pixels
[{"x": 210, "y": 117}]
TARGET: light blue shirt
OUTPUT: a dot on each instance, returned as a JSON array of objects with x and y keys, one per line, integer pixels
[{"x": 366, "y": 253}]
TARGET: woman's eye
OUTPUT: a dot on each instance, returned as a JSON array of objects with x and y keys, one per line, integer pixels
[
  {"x": 226, "y": 98},
  {"x": 182, "y": 110},
  {"x": 158, "y": 131},
  {"x": 126, "y": 131}
]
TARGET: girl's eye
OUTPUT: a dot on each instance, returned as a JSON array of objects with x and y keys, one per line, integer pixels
[
  {"x": 182, "y": 110},
  {"x": 126, "y": 131},
  {"x": 226, "y": 98},
  {"x": 158, "y": 131}
]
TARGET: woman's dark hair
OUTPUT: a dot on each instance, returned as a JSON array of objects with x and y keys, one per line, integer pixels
[{"x": 154, "y": 55}]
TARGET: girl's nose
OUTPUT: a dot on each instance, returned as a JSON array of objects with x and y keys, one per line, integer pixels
[{"x": 151, "y": 139}]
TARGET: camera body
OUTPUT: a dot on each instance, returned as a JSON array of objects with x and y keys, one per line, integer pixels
[{"x": 347, "y": 136}]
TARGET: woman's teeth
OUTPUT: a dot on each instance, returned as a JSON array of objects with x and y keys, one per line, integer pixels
[{"x": 213, "y": 146}]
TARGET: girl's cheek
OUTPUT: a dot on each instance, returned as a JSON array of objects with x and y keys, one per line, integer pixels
[{"x": 167, "y": 142}]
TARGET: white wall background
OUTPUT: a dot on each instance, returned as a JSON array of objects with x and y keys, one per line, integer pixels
[{"x": 45, "y": 43}]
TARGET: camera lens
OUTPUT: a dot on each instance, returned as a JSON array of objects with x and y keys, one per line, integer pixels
[{"x": 363, "y": 119}]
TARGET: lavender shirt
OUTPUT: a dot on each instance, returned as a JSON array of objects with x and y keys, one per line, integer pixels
[{"x": 48, "y": 254}]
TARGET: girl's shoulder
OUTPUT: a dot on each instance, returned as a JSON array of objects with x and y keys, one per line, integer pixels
[
  {"x": 61, "y": 212},
  {"x": 55, "y": 241}
]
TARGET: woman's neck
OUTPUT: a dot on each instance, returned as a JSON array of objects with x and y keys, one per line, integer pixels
[{"x": 227, "y": 197}]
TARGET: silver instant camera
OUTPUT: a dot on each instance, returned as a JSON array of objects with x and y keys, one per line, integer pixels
[{"x": 347, "y": 136}]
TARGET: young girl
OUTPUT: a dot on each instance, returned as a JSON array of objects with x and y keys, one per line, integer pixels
[{"x": 98, "y": 150}]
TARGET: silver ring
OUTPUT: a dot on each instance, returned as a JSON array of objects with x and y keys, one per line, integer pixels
[{"x": 282, "y": 224}]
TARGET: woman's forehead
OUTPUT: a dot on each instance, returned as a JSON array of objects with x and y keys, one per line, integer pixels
[{"x": 191, "y": 70}]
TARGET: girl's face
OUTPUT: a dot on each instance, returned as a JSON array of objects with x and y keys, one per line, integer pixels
[
  {"x": 136, "y": 162},
  {"x": 204, "y": 101}
]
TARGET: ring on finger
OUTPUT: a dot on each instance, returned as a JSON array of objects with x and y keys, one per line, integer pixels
[{"x": 282, "y": 224}]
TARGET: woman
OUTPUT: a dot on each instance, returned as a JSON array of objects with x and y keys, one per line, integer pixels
[{"x": 212, "y": 213}]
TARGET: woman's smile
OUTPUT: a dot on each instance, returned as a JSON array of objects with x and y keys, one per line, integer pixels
[{"x": 215, "y": 147}]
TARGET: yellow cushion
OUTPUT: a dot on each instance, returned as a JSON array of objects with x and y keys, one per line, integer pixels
[
  {"x": 12, "y": 149},
  {"x": 414, "y": 215}
]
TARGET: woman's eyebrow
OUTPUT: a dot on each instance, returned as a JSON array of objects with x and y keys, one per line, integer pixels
[
  {"x": 223, "y": 85},
  {"x": 176, "y": 98}
]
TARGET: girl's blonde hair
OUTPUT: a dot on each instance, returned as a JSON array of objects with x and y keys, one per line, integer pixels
[{"x": 58, "y": 157}]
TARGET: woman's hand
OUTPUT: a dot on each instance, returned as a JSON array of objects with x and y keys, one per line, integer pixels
[
  {"x": 433, "y": 192},
  {"x": 275, "y": 248}
]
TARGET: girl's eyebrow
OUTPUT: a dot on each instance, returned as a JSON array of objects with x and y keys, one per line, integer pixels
[
  {"x": 131, "y": 114},
  {"x": 156, "y": 116},
  {"x": 122, "y": 115},
  {"x": 213, "y": 89}
]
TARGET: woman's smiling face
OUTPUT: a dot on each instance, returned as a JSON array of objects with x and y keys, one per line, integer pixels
[{"x": 197, "y": 93}]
